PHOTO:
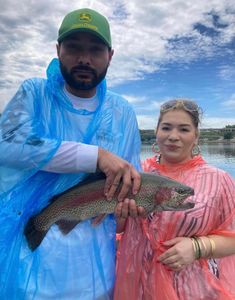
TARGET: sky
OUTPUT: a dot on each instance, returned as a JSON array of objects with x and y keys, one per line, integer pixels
[{"x": 163, "y": 49}]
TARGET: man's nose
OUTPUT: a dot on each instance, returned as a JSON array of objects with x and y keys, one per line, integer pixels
[{"x": 84, "y": 58}]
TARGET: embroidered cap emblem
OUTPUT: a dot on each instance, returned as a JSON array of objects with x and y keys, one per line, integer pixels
[{"x": 85, "y": 17}]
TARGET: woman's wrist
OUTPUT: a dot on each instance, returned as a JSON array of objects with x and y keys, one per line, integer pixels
[{"x": 203, "y": 247}]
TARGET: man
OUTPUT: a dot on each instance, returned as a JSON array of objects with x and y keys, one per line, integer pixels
[{"x": 53, "y": 132}]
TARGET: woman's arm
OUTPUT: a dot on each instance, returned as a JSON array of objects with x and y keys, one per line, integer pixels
[
  {"x": 183, "y": 251},
  {"x": 217, "y": 246}
]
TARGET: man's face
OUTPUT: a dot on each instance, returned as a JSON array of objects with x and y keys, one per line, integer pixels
[{"x": 84, "y": 60}]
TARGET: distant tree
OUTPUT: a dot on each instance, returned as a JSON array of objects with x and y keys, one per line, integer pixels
[
  {"x": 228, "y": 135},
  {"x": 230, "y": 126}
]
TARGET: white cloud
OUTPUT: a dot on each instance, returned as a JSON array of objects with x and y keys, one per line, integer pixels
[
  {"x": 146, "y": 35},
  {"x": 147, "y": 122},
  {"x": 141, "y": 32},
  {"x": 135, "y": 100},
  {"x": 150, "y": 121},
  {"x": 230, "y": 103},
  {"x": 217, "y": 122},
  {"x": 226, "y": 72}
]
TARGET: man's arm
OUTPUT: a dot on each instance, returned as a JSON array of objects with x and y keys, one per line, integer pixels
[{"x": 73, "y": 157}]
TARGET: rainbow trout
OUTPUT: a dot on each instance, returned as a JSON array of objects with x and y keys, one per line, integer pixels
[{"x": 87, "y": 200}]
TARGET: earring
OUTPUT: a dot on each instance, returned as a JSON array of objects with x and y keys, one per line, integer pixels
[
  {"x": 155, "y": 148},
  {"x": 196, "y": 150}
]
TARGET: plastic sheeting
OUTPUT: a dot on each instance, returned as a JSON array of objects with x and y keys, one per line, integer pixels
[
  {"x": 80, "y": 265},
  {"x": 140, "y": 276}
]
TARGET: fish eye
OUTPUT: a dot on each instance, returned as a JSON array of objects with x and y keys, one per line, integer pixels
[{"x": 180, "y": 190}]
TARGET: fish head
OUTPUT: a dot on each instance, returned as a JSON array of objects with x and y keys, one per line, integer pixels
[
  {"x": 168, "y": 194},
  {"x": 172, "y": 197}
]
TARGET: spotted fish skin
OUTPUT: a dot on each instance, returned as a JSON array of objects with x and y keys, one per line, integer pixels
[{"x": 87, "y": 200}]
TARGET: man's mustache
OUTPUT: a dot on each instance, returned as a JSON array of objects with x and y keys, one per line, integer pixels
[{"x": 83, "y": 68}]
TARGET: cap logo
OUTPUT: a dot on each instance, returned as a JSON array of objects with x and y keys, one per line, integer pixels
[{"x": 85, "y": 17}]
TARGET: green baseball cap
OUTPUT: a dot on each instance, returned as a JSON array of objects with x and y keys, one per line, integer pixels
[{"x": 87, "y": 20}]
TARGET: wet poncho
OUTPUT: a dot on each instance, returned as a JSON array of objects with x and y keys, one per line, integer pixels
[
  {"x": 140, "y": 276},
  {"x": 80, "y": 265}
]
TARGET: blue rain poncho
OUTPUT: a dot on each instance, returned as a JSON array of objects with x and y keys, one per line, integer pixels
[{"x": 80, "y": 265}]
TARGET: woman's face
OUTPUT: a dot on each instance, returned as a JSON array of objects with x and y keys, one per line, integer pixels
[{"x": 176, "y": 136}]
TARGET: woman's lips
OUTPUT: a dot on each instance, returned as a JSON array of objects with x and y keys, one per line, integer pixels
[{"x": 172, "y": 147}]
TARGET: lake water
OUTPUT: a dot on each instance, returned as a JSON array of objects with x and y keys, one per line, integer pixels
[{"x": 220, "y": 155}]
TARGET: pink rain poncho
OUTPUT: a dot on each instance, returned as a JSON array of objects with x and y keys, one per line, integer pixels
[
  {"x": 141, "y": 277},
  {"x": 80, "y": 265}
]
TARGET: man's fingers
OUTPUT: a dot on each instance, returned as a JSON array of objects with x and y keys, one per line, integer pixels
[
  {"x": 123, "y": 182},
  {"x": 118, "y": 172},
  {"x": 136, "y": 181},
  {"x": 112, "y": 186},
  {"x": 125, "y": 186},
  {"x": 108, "y": 183}
]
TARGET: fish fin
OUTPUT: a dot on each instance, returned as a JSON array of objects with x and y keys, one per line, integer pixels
[
  {"x": 97, "y": 220},
  {"x": 66, "y": 226},
  {"x": 33, "y": 236}
]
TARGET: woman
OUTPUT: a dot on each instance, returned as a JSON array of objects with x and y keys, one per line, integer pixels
[{"x": 186, "y": 254}]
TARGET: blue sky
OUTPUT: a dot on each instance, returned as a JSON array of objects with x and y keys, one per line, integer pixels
[{"x": 162, "y": 50}]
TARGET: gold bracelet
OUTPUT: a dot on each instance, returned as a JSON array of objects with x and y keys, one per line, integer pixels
[
  {"x": 212, "y": 243},
  {"x": 194, "y": 248},
  {"x": 197, "y": 247},
  {"x": 204, "y": 246}
]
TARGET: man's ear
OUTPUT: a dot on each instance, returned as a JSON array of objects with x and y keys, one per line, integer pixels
[
  {"x": 111, "y": 52},
  {"x": 58, "y": 49}
]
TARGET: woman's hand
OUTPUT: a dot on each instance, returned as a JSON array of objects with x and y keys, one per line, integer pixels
[
  {"x": 179, "y": 254},
  {"x": 125, "y": 209}
]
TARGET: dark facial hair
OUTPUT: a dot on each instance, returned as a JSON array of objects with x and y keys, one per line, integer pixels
[{"x": 79, "y": 84}]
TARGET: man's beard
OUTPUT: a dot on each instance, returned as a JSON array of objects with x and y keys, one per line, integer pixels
[{"x": 80, "y": 84}]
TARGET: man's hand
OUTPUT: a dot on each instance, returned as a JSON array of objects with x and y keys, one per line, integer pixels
[{"x": 118, "y": 171}]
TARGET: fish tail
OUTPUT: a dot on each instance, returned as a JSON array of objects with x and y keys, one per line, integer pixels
[{"x": 33, "y": 236}]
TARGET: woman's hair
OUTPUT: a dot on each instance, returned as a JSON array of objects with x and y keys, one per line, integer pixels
[{"x": 188, "y": 106}]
